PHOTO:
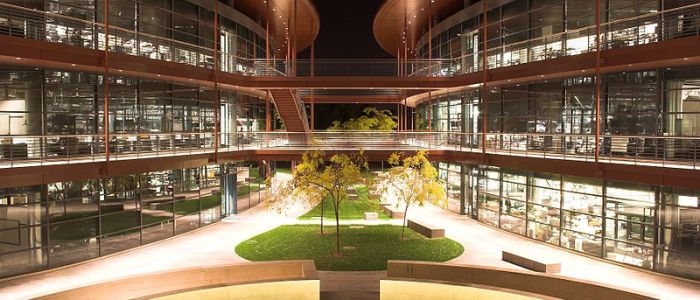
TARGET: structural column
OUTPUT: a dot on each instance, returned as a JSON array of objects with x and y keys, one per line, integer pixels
[
  {"x": 217, "y": 108},
  {"x": 105, "y": 80},
  {"x": 268, "y": 113},
  {"x": 313, "y": 73},
  {"x": 268, "y": 117},
  {"x": 597, "y": 80},
  {"x": 485, "y": 78},
  {"x": 430, "y": 63}
]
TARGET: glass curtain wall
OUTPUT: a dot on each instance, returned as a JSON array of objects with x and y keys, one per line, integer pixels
[
  {"x": 533, "y": 30},
  {"x": 170, "y": 30},
  {"x": 651, "y": 227},
  {"x": 144, "y": 115},
  {"x": 251, "y": 184},
  {"x": 651, "y": 114},
  {"x": 60, "y": 223},
  {"x": 451, "y": 175}
]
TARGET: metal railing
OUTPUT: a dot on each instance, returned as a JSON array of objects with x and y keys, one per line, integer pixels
[
  {"x": 643, "y": 29},
  {"x": 664, "y": 151},
  {"x": 57, "y": 28}
]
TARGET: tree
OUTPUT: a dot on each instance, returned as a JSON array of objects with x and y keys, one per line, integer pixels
[
  {"x": 318, "y": 177},
  {"x": 413, "y": 180},
  {"x": 372, "y": 119}
]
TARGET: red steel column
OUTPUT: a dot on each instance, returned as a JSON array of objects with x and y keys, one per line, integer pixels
[
  {"x": 430, "y": 111},
  {"x": 485, "y": 78},
  {"x": 398, "y": 115},
  {"x": 398, "y": 62},
  {"x": 105, "y": 80},
  {"x": 430, "y": 62},
  {"x": 217, "y": 108},
  {"x": 430, "y": 38},
  {"x": 295, "y": 37},
  {"x": 313, "y": 73},
  {"x": 267, "y": 34},
  {"x": 405, "y": 115},
  {"x": 268, "y": 113},
  {"x": 597, "y": 80}
]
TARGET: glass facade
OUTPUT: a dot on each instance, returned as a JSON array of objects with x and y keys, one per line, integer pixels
[
  {"x": 519, "y": 32},
  {"x": 250, "y": 185},
  {"x": 168, "y": 30},
  {"x": 60, "y": 223},
  {"x": 650, "y": 227},
  {"x": 145, "y": 116},
  {"x": 649, "y": 115}
]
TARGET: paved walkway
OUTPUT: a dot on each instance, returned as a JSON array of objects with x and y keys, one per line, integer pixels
[
  {"x": 483, "y": 245},
  {"x": 210, "y": 245},
  {"x": 215, "y": 244}
]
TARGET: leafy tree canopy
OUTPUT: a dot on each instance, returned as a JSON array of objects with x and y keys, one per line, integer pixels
[
  {"x": 372, "y": 119},
  {"x": 412, "y": 180}
]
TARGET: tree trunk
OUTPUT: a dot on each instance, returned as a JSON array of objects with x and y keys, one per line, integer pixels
[
  {"x": 322, "y": 201},
  {"x": 337, "y": 232},
  {"x": 403, "y": 225}
]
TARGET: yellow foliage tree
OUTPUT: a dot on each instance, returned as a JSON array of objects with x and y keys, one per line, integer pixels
[
  {"x": 413, "y": 180},
  {"x": 318, "y": 177}
]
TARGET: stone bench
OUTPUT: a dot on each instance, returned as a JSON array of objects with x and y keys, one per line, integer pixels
[
  {"x": 538, "y": 264},
  {"x": 428, "y": 230},
  {"x": 371, "y": 216},
  {"x": 393, "y": 211}
]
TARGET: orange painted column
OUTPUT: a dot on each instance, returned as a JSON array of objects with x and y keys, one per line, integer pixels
[
  {"x": 430, "y": 62},
  {"x": 217, "y": 108},
  {"x": 105, "y": 81},
  {"x": 268, "y": 113},
  {"x": 597, "y": 81},
  {"x": 485, "y": 78},
  {"x": 313, "y": 73}
]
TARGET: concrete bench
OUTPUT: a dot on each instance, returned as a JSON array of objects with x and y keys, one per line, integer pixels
[
  {"x": 371, "y": 216},
  {"x": 393, "y": 211},
  {"x": 538, "y": 264},
  {"x": 426, "y": 229}
]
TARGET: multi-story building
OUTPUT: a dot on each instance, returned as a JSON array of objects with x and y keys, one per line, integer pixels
[{"x": 570, "y": 122}]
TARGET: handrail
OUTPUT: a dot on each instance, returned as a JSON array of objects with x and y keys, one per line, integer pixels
[
  {"x": 665, "y": 151},
  {"x": 446, "y": 67}
]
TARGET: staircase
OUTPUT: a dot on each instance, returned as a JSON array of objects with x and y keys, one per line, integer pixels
[{"x": 291, "y": 110}]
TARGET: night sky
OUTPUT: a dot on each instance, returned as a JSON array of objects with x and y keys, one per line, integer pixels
[
  {"x": 346, "y": 33},
  {"x": 346, "y": 30}
]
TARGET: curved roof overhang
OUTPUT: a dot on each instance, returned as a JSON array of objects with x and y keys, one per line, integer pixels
[
  {"x": 296, "y": 20},
  {"x": 403, "y": 22}
]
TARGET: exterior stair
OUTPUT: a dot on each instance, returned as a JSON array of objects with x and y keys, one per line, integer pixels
[{"x": 291, "y": 110}]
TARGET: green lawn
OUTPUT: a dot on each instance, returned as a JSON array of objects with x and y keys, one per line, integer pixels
[
  {"x": 349, "y": 209},
  {"x": 86, "y": 228},
  {"x": 184, "y": 208},
  {"x": 248, "y": 188},
  {"x": 253, "y": 172},
  {"x": 365, "y": 249}
]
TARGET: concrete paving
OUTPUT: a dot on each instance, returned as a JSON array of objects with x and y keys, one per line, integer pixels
[
  {"x": 483, "y": 245},
  {"x": 215, "y": 244}
]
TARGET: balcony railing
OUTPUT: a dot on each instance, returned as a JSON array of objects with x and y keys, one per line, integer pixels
[
  {"x": 639, "y": 30},
  {"x": 663, "y": 151}
]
